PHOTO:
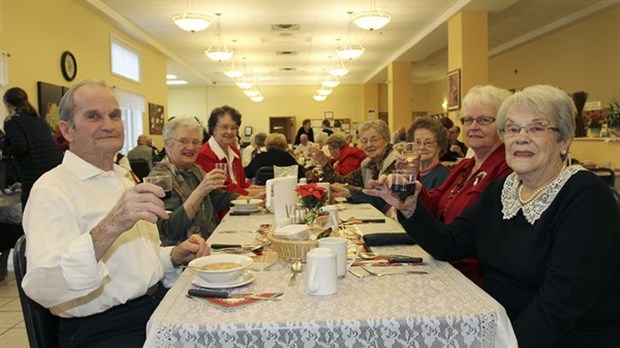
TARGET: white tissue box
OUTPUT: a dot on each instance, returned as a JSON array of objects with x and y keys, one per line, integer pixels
[{"x": 292, "y": 232}]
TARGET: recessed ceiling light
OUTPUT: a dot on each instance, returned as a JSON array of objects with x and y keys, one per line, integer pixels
[
  {"x": 176, "y": 82},
  {"x": 171, "y": 77}
]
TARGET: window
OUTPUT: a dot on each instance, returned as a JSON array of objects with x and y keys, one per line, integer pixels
[
  {"x": 125, "y": 60},
  {"x": 132, "y": 107}
]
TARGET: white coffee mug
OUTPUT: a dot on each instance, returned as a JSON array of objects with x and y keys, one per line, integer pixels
[
  {"x": 332, "y": 210},
  {"x": 322, "y": 272},
  {"x": 340, "y": 247},
  {"x": 325, "y": 185}
]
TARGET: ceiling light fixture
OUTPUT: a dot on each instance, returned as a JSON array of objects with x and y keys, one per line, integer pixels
[
  {"x": 352, "y": 48},
  {"x": 319, "y": 97},
  {"x": 324, "y": 91},
  {"x": 245, "y": 83},
  {"x": 171, "y": 77},
  {"x": 236, "y": 70},
  {"x": 372, "y": 19},
  {"x": 253, "y": 92},
  {"x": 257, "y": 99},
  {"x": 192, "y": 21},
  {"x": 217, "y": 50},
  {"x": 330, "y": 81},
  {"x": 176, "y": 82},
  {"x": 338, "y": 69}
]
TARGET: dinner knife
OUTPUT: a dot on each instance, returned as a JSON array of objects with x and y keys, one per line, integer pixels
[{"x": 225, "y": 246}]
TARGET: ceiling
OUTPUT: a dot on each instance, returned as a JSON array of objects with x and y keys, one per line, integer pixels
[{"x": 416, "y": 33}]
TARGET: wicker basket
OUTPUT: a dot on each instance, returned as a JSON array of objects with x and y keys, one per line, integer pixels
[{"x": 292, "y": 250}]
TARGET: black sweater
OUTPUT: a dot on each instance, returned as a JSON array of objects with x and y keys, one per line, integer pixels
[
  {"x": 558, "y": 279},
  {"x": 272, "y": 157},
  {"x": 29, "y": 141}
]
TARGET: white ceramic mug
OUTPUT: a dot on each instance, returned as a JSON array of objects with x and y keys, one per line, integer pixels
[
  {"x": 333, "y": 216},
  {"x": 340, "y": 247},
  {"x": 322, "y": 272}
]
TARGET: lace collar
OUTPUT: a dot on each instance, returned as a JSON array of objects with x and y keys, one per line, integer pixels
[{"x": 534, "y": 209}]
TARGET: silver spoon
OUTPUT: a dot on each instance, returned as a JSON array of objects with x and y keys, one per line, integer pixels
[{"x": 296, "y": 267}]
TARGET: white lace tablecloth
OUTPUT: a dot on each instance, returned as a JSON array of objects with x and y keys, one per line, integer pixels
[{"x": 442, "y": 308}]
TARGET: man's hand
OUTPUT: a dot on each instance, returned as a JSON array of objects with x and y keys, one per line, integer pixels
[
  {"x": 191, "y": 248},
  {"x": 140, "y": 202},
  {"x": 382, "y": 187}
]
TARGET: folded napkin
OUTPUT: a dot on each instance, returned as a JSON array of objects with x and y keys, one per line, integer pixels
[
  {"x": 378, "y": 239},
  {"x": 231, "y": 303}
]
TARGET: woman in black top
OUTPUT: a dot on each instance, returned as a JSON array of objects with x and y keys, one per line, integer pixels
[
  {"x": 276, "y": 154},
  {"x": 28, "y": 140}
]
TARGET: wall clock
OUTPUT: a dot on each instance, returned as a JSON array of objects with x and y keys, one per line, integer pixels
[{"x": 68, "y": 66}]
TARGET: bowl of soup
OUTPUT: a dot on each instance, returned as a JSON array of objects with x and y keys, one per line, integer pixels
[
  {"x": 247, "y": 204},
  {"x": 221, "y": 268}
]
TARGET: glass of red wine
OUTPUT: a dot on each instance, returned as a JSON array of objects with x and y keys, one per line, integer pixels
[
  {"x": 163, "y": 181},
  {"x": 403, "y": 182}
]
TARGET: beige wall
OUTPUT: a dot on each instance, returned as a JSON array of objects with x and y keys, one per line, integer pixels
[
  {"x": 346, "y": 101},
  {"x": 584, "y": 56},
  {"x": 36, "y": 33}
]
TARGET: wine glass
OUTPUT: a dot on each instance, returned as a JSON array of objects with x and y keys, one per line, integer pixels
[{"x": 403, "y": 183}]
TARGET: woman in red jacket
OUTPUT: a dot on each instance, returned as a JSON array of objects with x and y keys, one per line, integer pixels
[
  {"x": 223, "y": 125},
  {"x": 348, "y": 158}
]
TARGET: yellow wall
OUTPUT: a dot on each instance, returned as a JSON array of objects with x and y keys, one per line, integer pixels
[
  {"x": 36, "y": 33},
  {"x": 346, "y": 101},
  {"x": 582, "y": 57}
]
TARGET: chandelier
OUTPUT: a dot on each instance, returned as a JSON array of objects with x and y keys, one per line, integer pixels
[
  {"x": 245, "y": 83},
  {"x": 319, "y": 97},
  {"x": 329, "y": 81},
  {"x": 192, "y": 21},
  {"x": 236, "y": 70},
  {"x": 257, "y": 99},
  {"x": 351, "y": 49},
  {"x": 252, "y": 92},
  {"x": 217, "y": 50},
  {"x": 324, "y": 91},
  {"x": 338, "y": 69},
  {"x": 372, "y": 19}
]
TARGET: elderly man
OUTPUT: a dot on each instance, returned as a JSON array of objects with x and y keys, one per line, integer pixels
[
  {"x": 143, "y": 150},
  {"x": 94, "y": 255},
  {"x": 304, "y": 147}
]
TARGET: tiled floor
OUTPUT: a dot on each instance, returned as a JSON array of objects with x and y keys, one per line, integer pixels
[{"x": 12, "y": 329}]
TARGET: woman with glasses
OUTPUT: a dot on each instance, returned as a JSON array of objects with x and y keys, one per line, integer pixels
[
  {"x": 430, "y": 138},
  {"x": 381, "y": 159},
  {"x": 196, "y": 197},
  {"x": 548, "y": 235},
  {"x": 223, "y": 125}
]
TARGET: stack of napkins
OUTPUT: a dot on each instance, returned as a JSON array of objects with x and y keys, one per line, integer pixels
[{"x": 292, "y": 232}]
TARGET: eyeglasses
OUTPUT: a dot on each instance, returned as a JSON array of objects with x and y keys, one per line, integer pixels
[
  {"x": 228, "y": 128},
  {"x": 533, "y": 129},
  {"x": 185, "y": 142},
  {"x": 425, "y": 143},
  {"x": 480, "y": 120},
  {"x": 372, "y": 140}
]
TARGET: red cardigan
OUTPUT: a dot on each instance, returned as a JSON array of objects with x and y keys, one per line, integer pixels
[
  {"x": 349, "y": 160},
  {"x": 447, "y": 201},
  {"x": 207, "y": 160}
]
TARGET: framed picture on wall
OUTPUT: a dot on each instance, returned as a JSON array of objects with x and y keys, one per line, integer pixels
[
  {"x": 247, "y": 131},
  {"x": 156, "y": 119},
  {"x": 329, "y": 115},
  {"x": 454, "y": 89}
]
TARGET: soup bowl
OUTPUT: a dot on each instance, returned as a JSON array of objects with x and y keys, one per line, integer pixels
[
  {"x": 247, "y": 204},
  {"x": 221, "y": 268}
]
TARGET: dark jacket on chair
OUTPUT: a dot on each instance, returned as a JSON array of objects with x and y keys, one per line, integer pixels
[{"x": 270, "y": 158}]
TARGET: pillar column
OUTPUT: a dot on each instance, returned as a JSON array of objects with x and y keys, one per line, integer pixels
[
  {"x": 399, "y": 94},
  {"x": 371, "y": 101}
]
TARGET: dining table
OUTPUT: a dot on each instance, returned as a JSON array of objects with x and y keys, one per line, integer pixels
[{"x": 437, "y": 307}]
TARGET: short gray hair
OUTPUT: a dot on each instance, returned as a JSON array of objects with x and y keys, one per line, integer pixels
[
  {"x": 378, "y": 125},
  {"x": 259, "y": 139},
  {"x": 65, "y": 108},
  {"x": 487, "y": 95},
  {"x": 543, "y": 100},
  {"x": 174, "y": 125}
]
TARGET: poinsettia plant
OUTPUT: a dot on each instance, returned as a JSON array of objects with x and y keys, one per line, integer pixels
[{"x": 312, "y": 196}]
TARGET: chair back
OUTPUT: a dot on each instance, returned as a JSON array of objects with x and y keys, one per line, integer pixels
[
  {"x": 283, "y": 172},
  {"x": 41, "y": 324},
  {"x": 263, "y": 174},
  {"x": 606, "y": 174},
  {"x": 140, "y": 167}
]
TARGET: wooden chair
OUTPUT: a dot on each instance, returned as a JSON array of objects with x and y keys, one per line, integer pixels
[
  {"x": 606, "y": 174},
  {"x": 41, "y": 324}
]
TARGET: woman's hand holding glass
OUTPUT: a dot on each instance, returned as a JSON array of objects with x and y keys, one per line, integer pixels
[
  {"x": 213, "y": 180},
  {"x": 382, "y": 187}
]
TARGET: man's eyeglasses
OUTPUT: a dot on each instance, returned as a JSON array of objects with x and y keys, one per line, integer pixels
[
  {"x": 425, "y": 143},
  {"x": 480, "y": 120},
  {"x": 533, "y": 129},
  {"x": 185, "y": 142}
]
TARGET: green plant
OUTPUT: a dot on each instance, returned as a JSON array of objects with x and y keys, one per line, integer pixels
[{"x": 613, "y": 109}]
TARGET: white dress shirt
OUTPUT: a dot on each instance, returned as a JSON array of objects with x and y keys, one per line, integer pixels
[{"x": 63, "y": 274}]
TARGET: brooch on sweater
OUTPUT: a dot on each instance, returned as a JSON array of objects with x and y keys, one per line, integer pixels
[{"x": 479, "y": 177}]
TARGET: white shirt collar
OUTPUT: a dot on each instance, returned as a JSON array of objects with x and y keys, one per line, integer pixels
[
  {"x": 85, "y": 170},
  {"x": 217, "y": 150}
]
